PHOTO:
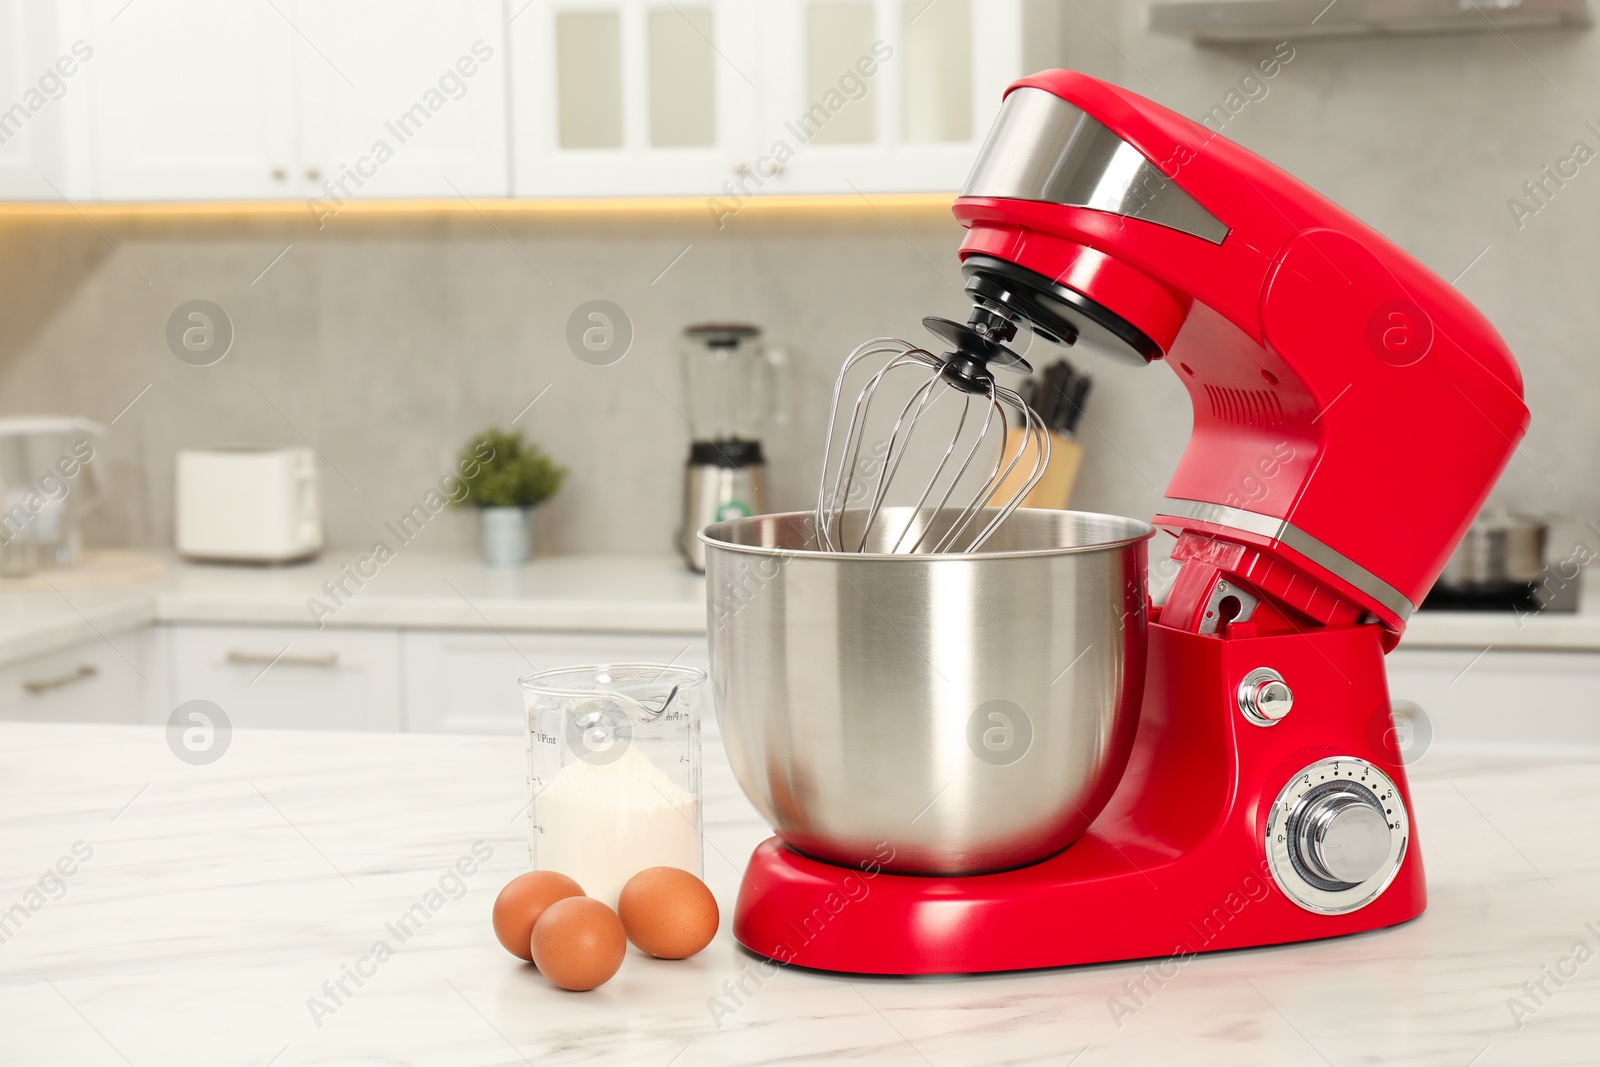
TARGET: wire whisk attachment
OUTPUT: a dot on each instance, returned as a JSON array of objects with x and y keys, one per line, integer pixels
[{"x": 976, "y": 472}]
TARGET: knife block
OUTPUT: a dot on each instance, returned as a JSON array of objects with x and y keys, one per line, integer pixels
[{"x": 1054, "y": 489}]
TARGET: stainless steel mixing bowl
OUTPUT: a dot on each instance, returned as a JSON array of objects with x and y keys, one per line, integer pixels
[{"x": 935, "y": 714}]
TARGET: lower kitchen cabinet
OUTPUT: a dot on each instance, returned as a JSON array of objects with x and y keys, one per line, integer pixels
[
  {"x": 115, "y": 679},
  {"x": 285, "y": 676},
  {"x": 466, "y": 681},
  {"x": 437, "y": 681},
  {"x": 1510, "y": 699}
]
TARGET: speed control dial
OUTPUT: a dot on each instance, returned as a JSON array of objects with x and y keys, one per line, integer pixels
[
  {"x": 1336, "y": 835},
  {"x": 1344, "y": 835}
]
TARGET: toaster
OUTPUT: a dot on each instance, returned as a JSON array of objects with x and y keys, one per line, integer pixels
[{"x": 248, "y": 505}]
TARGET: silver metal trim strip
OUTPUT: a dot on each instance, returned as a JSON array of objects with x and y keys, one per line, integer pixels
[
  {"x": 1288, "y": 533},
  {"x": 1045, "y": 149}
]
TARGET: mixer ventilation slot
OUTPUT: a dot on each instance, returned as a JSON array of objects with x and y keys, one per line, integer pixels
[{"x": 1246, "y": 407}]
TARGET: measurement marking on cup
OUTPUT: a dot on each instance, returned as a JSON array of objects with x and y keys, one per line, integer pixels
[{"x": 1071, "y": 665}]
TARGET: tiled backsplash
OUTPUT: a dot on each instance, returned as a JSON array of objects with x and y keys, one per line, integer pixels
[{"x": 385, "y": 343}]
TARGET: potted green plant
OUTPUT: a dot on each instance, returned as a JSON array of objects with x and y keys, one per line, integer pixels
[{"x": 506, "y": 477}]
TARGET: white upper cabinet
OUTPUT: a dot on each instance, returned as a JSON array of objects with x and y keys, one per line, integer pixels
[
  {"x": 194, "y": 100},
  {"x": 403, "y": 98},
  {"x": 632, "y": 97},
  {"x": 43, "y": 101},
  {"x": 327, "y": 102},
  {"x": 881, "y": 95},
  {"x": 732, "y": 100},
  {"x": 334, "y": 101}
]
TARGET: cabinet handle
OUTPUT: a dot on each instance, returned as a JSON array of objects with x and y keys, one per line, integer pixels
[
  {"x": 46, "y": 684},
  {"x": 263, "y": 659},
  {"x": 312, "y": 174},
  {"x": 279, "y": 174}
]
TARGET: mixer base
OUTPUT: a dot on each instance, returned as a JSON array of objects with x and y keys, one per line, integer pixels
[
  {"x": 1175, "y": 866},
  {"x": 1086, "y": 905}
]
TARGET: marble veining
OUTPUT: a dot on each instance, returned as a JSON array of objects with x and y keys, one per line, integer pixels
[{"x": 218, "y": 908}]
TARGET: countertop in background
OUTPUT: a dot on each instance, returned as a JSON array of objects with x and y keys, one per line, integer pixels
[
  {"x": 417, "y": 590},
  {"x": 215, "y": 902},
  {"x": 612, "y": 594}
]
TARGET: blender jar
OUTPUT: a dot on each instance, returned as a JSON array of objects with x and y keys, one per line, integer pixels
[
  {"x": 734, "y": 384},
  {"x": 614, "y": 760}
]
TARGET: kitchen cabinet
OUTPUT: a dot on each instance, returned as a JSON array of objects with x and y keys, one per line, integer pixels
[
  {"x": 632, "y": 97},
  {"x": 384, "y": 99},
  {"x": 116, "y": 679},
  {"x": 196, "y": 100},
  {"x": 465, "y": 681},
  {"x": 409, "y": 101},
  {"x": 1501, "y": 699},
  {"x": 44, "y": 150},
  {"x": 881, "y": 95},
  {"x": 429, "y": 681},
  {"x": 285, "y": 676},
  {"x": 731, "y": 100}
]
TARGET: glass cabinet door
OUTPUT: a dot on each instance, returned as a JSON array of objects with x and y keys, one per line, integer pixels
[
  {"x": 632, "y": 97},
  {"x": 881, "y": 95}
]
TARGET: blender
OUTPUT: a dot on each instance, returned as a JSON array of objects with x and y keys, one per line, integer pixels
[{"x": 732, "y": 385}]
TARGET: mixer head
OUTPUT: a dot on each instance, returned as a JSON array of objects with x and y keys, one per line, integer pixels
[{"x": 1053, "y": 311}]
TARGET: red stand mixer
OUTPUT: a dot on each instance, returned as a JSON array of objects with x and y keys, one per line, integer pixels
[{"x": 1351, "y": 412}]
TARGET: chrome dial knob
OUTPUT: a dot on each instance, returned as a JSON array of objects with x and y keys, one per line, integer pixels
[
  {"x": 1336, "y": 835},
  {"x": 1344, "y": 835}
]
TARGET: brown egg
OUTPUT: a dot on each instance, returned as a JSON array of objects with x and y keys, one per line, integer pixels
[
  {"x": 522, "y": 901},
  {"x": 668, "y": 913},
  {"x": 578, "y": 943}
]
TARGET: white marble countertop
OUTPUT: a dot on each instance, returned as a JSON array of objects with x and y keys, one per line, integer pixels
[
  {"x": 614, "y": 594},
  {"x": 208, "y": 904}
]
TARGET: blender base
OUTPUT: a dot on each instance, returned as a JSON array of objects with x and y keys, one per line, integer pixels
[{"x": 1176, "y": 865}]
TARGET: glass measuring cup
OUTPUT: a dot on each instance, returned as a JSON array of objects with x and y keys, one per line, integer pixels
[{"x": 614, "y": 766}]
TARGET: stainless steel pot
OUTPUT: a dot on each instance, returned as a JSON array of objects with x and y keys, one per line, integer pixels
[
  {"x": 936, "y": 714},
  {"x": 1500, "y": 551}
]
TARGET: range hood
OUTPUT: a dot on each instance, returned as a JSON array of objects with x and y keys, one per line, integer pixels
[{"x": 1255, "y": 20}]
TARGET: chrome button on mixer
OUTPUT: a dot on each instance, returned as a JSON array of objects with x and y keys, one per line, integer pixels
[
  {"x": 1336, "y": 835},
  {"x": 1264, "y": 697}
]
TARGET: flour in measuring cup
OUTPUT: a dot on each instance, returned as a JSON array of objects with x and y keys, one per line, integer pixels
[{"x": 602, "y": 823}]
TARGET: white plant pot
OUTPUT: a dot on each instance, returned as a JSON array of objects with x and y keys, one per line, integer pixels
[{"x": 507, "y": 535}]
